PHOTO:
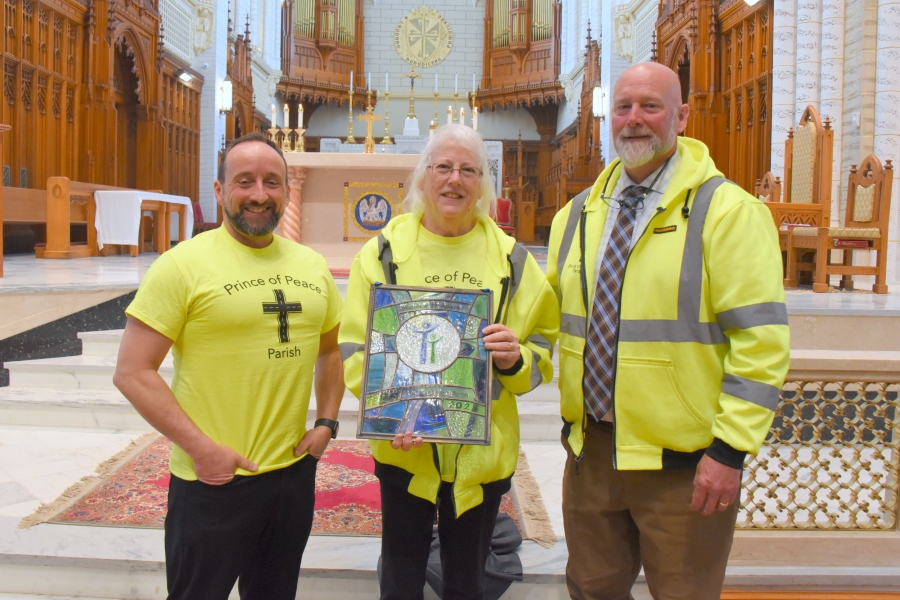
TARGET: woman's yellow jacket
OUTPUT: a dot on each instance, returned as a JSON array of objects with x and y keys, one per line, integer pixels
[{"x": 531, "y": 311}]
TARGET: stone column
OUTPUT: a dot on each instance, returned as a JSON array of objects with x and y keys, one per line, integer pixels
[
  {"x": 611, "y": 66},
  {"x": 211, "y": 63},
  {"x": 809, "y": 55},
  {"x": 784, "y": 72},
  {"x": 832, "y": 89},
  {"x": 291, "y": 225},
  {"x": 887, "y": 118}
]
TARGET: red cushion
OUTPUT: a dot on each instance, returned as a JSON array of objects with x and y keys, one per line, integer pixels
[
  {"x": 198, "y": 212},
  {"x": 504, "y": 207}
]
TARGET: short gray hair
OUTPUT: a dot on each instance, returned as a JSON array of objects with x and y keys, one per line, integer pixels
[{"x": 469, "y": 139}]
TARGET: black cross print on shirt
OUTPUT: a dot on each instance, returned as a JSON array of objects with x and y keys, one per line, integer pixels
[{"x": 281, "y": 308}]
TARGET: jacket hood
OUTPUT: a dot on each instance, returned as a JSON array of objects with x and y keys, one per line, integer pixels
[
  {"x": 403, "y": 233},
  {"x": 695, "y": 167}
]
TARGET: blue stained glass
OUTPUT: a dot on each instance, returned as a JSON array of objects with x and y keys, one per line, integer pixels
[
  {"x": 430, "y": 418},
  {"x": 390, "y": 344},
  {"x": 393, "y": 411},
  {"x": 459, "y": 319},
  {"x": 427, "y": 378},
  {"x": 404, "y": 376},
  {"x": 382, "y": 298},
  {"x": 467, "y": 298},
  {"x": 479, "y": 369},
  {"x": 373, "y": 412},
  {"x": 400, "y": 296},
  {"x": 376, "y": 372},
  {"x": 390, "y": 368},
  {"x": 466, "y": 349},
  {"x": 378, "y": 425},
  {"x": 482, "y": 352}
]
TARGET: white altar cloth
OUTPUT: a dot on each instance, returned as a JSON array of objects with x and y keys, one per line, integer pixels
[{"x": 118, "y": 216}]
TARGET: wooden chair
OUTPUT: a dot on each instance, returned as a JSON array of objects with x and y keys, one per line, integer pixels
[
  {"x": 865, "y": 228},
  {"x": 768, "y": 190},
  {"x": 199, "y": 224},
  {"x": 504, "y": 217},
  {"x": 807, "y": 177}
]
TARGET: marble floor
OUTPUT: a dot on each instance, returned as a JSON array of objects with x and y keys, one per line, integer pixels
[{"x": 24, "y": 273}]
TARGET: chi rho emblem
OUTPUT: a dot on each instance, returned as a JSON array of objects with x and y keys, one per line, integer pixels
[{"x": 423, "y": 37}]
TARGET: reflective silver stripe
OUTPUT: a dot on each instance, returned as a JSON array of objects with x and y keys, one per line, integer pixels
[
  {"x": 761, "y": 394},
  {"x": 671, "y": 331},
  {"x": 577, "y": 204},
  {"x": 572, "y": 324},
  {"x": 541, "y": 342},
  {"x": 517, "y": 258},
  {"x": 384, "y": 251},
  {"x": 536, "y": 376},
  {"x": 348, "y": 349},
  {"x": 753, "y": 315},
  {"x": 496, "y": 388},
  {"x": 687, "y": 328}
]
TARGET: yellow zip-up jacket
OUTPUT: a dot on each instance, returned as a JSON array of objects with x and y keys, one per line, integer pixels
[
  {"x": 703, "y": 340},
  {"x": 530, "y": 310}
]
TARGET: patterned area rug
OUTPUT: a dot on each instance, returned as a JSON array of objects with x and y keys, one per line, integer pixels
[{"x": 131, "y": 489}]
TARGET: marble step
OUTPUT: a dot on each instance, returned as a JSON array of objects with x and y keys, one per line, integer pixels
[{"x": 100, "y": 343}]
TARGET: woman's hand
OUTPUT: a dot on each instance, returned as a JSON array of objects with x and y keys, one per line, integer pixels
[
  {"x": 405, "y": 442},
  {"x": 504, "y": 344}
]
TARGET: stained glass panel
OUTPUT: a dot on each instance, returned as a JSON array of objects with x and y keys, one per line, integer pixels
[{"x": 426, "y": 370}]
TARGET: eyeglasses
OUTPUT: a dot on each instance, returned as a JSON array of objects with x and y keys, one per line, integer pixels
[{"x": 444, "y": 170}]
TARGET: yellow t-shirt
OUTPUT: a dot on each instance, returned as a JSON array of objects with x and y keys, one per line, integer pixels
[
  {"x": 456, "y": 262},
  {"x": 246, "y": 324}
]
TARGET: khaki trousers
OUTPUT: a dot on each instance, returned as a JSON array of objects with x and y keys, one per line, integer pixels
[{"x": 615, "y": 521}]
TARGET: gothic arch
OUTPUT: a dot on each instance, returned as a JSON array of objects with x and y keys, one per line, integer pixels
[
  {"x": 128, "y": 43},
  {"x": 680, "y": 62}
]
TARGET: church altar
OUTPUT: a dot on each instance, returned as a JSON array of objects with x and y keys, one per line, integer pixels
[{"x": 339, "y": 200}]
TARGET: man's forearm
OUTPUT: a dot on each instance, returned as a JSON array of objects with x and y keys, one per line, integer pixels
[
  {"x": 329, "y": 384},
  {"x": 153, "y": 399}
]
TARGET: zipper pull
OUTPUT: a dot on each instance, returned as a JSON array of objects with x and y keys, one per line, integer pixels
[{"x": 578, "y": 459}]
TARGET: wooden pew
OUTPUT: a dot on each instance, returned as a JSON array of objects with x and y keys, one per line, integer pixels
[{"x": 65, "y": 202}]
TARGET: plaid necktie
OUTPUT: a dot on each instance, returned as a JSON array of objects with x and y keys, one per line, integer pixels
[{"x": 600, "y": 353}]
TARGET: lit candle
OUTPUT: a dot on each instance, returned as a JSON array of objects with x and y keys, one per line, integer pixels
[
  {"x": 449, "y": 115},
  {"x": 274, "y": 114},
  {"x": 474, "y": 118},
  {"x": 386, "y": 86},
  {"x": 462, "y": 116},
  {"x": 435, "y": 83},
  {"x": 473, "y": 83},
  {"x": 287, "y": 116},
  {"x": 351, "y": 80},
  {"x": 300, "y": 118},
  {"x": 431, "y": 129},
  {"x": 456, "y": 83},
  {"x": 369, "y": 84}
]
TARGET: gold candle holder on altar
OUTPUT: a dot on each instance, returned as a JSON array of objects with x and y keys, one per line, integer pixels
[
  {"x": 455, "y": 105},
  {"x": 300, "y": 144},
  {"x": 436, "y": 117},
  {"x": 387, "y": 137},
  {"x": 350, "y": 138},
  {"x": 369, "y": 118}
]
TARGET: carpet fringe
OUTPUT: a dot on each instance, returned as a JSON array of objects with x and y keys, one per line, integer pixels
[
  {"x": 535, "y": 521},
  {"x": 104, "y": 471}
]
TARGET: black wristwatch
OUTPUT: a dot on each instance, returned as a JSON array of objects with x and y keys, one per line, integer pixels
[{"x": 333, "y": 425}]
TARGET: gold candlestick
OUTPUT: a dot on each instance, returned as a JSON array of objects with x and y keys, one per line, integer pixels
[
  {"x": 285, "y": 140},
  {"x": 369, "y": 118},
  {"x": 412, "y": 76},
  {"x": 350, "y": 138},
  {"x": 455, "y": 107},
  {"x": 435, "y": 110},
  {"x": 300, "y": 144},
  {"x": 387, "y": 137}
]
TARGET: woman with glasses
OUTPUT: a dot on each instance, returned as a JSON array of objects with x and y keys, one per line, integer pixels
[{"x": 446, "y": 238}]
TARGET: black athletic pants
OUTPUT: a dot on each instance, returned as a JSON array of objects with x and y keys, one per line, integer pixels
[
  {"x": 254, "y": 528},
  {"x": 408, "y": 523}
]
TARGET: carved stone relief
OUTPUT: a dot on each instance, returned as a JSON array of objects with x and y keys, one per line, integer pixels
[
  {"x": 203, "y": 28},
  {"x": 624, "y": 37}
]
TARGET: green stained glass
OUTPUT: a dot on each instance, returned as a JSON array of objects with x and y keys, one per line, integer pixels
[
  {"x": 373, "y": 400},
  {"x": 459, "y": 373},
  {"x": 472, "y": 324},
  {"x": 462, "y": 405},
  {"x": 481, "y": 306},
  {"x": 457, "y": 422},
  {"x": 477, "y": 427},
  {"x": 385, "y": 320}
]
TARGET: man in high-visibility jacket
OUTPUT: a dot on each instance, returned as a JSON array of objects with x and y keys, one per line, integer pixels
[{"x": 674, "y": 346}]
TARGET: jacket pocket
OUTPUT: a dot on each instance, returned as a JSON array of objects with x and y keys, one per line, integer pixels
[
  {"x": 653, "y": 409},
  {"x": 571, "y": 372}
]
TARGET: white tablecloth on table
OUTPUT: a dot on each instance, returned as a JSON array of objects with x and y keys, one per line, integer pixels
[{"x": 118, "y": 217}]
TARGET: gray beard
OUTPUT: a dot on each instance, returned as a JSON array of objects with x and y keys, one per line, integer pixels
[
  {"x": 240, "y": 224},
  {"x": 636, "y": 154}
]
